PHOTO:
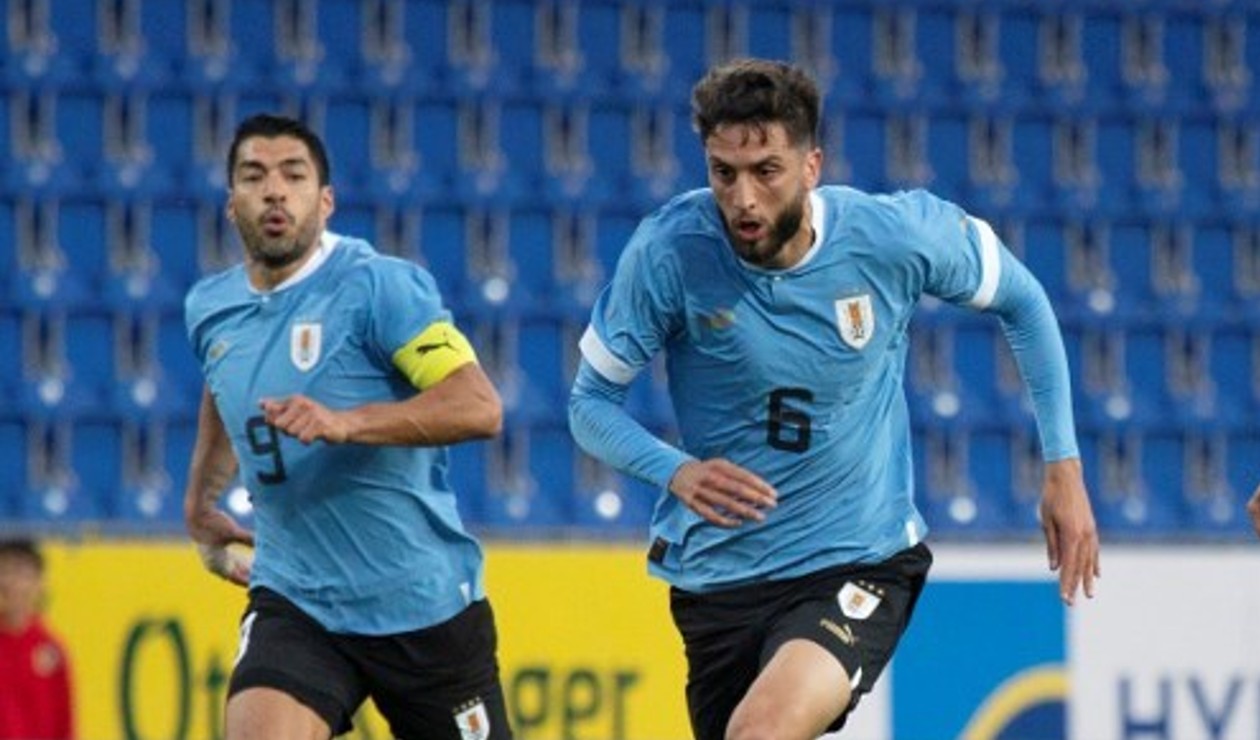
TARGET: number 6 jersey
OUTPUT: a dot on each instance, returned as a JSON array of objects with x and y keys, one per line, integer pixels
[{"x": 796, "y": 374}]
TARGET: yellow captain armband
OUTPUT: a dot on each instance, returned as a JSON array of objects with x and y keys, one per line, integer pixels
[{"x": 433, "y": 354}]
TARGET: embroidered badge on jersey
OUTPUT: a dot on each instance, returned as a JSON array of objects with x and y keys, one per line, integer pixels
[
  {"x": 856, "y": 319},
  {"x": 305, "y": 341},
  {"x": 472, "y": 721},
  {"x": 856, "y": 602}
]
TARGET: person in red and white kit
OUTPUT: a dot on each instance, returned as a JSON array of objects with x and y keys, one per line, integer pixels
[{"x": 35, "y": 679}]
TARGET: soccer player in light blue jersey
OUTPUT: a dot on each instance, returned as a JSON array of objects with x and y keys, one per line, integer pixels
[
  {"x": 786, "y": 525},
  {"x": 334, "y": 379}
]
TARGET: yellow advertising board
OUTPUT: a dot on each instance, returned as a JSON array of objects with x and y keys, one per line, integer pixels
[{"x": 587, "y": 647}]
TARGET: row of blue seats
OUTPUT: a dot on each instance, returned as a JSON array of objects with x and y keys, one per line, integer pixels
[
  {"x": 134, "y": 365},
  {"x": 1159, "y": 481},
  {"x": 973, "y": 481},
  {"x": 86, "y": 142},
  {"x": 123, "y": 254},
  {"x": 903, "y": 50}
]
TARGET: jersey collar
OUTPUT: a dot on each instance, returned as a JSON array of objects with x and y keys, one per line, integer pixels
[
  {"x": 818, "y": 220},
  {"x": 327, "y": 243}
]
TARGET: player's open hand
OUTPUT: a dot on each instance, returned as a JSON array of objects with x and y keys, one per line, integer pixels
[
  {"x": 1071, "y": 534},
  {"x": 722, "y": 492},
  {"x": 305, "y": 419},
  {"x": 1253, "y": 510}
]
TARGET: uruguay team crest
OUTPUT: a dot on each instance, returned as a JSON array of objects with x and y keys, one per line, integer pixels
[
  {"x": 857, "y": 602},
  {"x": 304, "y": 344},
  {"x": 856, "y": 320},
  {"x": 473, "y": 721}
]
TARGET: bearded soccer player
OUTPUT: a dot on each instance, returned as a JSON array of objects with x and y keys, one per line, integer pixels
[{"x": 786, "y": 523}]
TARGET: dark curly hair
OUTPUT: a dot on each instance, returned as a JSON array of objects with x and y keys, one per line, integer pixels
[{"x": 757, "y": 92}]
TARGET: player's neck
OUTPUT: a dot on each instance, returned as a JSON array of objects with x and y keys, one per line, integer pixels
[
  {"x": 264, "y": 278},
  {"x": 795, "y": 249}
]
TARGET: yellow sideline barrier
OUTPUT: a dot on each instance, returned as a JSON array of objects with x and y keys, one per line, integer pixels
[{"x": 586, "y": 643}]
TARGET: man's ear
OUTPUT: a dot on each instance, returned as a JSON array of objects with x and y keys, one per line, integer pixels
[{"x": 813, "y": 167}]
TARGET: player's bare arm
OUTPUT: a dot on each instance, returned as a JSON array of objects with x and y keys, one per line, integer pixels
[
  {"x": 462, "y": 406},
  {"x": 1071, "y": 534},
  {"x": 212, "y": 469},
  {"x": 1253, "y": 510},
  {"x": 722, "y": 492}
]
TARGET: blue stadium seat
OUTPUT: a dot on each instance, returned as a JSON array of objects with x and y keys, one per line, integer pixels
[
  {"x": 180, "y": 373},
  {"x": 442, "y": 245},
  {"x": 1235, "y": 373},
  {"x": 66, "y": 360},
  {"x": 63, "y": 485},
  {"x": 852, "y": 43},
  {"x": 164, "y": 29},
  {"x": 466, "y": 475},
  {"x": 608, "y": 503},
  {"x": 8, "y": 246},
  {"x": 533, "y": 258},
  {"x": 170, "y": 133},
  {"x": 950, "y": 150},
  {"x": 98, "y": 462},
  {"x": 1125, "y": 504},
  {"x": 319, "y": 47},
  {"x": 348, "y": 133},
  {"x": 685, "y": 46},
  {"x": 10, "y": 359},
  {"x": 80, "y": 130},
  {"x": 30, "y": 48},
  {"x": 437, "y": 134},
  {"x": 568, "y": 169},
  {"x": 767, "y": 30},
  {"x": 149, "y": 492},
  {"x": 89, "y": 348},
  {"x": 542, "y": 358},
  {"x": 13, "y": 458},
  {"x": 154, "y": 369},
  {"x": 174, "y": 234},
  {"x": 949, "y": 498},
  {"x": 523, "y": 144},
  {"x": 35, "y": 150},
  {"x": 601, "y": 26},
  {"x": 864, "y": 149},
  {"x": 521, "y": 489},
  {"x": 612, "y": 232},
  {"x": 1117, "y": 163},
  {"x": 252, "y": 61},
  {"x": 1212, "y": 504}
]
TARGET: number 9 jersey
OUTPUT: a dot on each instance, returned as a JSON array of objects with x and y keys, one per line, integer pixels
[{"x": 364, "y": 538}]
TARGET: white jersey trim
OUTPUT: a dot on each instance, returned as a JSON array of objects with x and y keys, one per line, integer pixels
[
  {"x": 605, "y": 362},
  {"x": 990, "y": 264},
  {"x": 327, "y": 242}
]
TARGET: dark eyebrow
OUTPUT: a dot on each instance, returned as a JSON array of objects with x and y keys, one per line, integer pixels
[
  {"x": 284, "y": 164},
  {"x": 772, "y": 159}
]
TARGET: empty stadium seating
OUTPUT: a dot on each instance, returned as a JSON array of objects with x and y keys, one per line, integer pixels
[{"x": 512, "y": 145}]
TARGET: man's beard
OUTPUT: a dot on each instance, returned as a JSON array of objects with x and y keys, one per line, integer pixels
[
  {"x": 781, "y": 231},
  {"x": 276, "y": 253}
]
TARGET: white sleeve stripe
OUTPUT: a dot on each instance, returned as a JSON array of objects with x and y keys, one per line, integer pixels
[
  {"x": 603, "y": 361},
  {"x": 990, "y": 264}
]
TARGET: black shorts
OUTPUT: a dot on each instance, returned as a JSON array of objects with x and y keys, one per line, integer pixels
[
  {"x": 856, "y": 612},
  {"x": 437, "y": 682}
]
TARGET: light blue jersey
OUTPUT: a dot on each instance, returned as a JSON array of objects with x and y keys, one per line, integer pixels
[
  {"x": 797, "y": 374},
  {"x": 366, "y": 539}
]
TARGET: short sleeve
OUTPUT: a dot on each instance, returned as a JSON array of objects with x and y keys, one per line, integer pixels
[{"x": 405, "y": 301}]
